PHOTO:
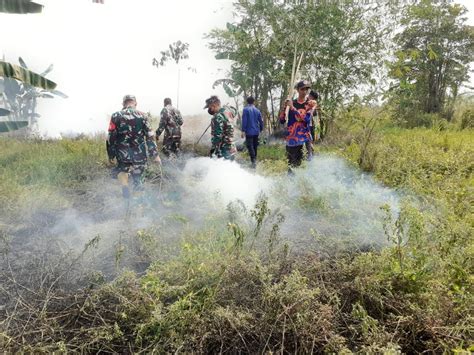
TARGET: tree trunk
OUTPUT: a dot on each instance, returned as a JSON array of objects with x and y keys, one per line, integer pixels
[
  {"x": 273, "y": 123},
  {"x": 264, "y": 106}
]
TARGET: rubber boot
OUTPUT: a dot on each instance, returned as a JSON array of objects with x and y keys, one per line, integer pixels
[{"x": 123, "y": 179}]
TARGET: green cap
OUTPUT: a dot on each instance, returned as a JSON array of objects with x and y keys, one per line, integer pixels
[{"x": 129, "y": 98}]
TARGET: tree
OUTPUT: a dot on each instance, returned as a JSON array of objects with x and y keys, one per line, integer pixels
[
  {"x": 340, "y": 43},
  {"x": 431, "y": 63},
  {"x": 177, "y": 52}
]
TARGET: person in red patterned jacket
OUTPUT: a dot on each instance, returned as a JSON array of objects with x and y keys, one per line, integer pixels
[{"x": 298, "y": 125}]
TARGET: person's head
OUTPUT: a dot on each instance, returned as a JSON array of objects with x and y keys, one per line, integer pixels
[
  {"x": 250, "y": 100},
  {"x": 213, "y": 105},
  {"x": 313, "y": 95},
  {"x": 302, "y": 87},
  {"x": 129, "y": 101},
  {"x": 167, "y": 101}
]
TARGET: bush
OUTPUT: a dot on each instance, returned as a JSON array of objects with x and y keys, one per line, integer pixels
[
  {"x": 467, "y": 119},
  {"x": 233, "y": 285}
]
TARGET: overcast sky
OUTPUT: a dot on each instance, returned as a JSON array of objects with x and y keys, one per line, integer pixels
[{"x": 102, "y": 52}]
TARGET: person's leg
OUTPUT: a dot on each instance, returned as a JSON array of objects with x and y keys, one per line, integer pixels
[
  {"x": 255, "y": 145},
  {"x": 177, "y": 147},
  {"x": 309, "y": 149},
  {"x": 291, "y": 153},
  {"x": 166, "y": 150},
  {"x": 228, "y": 156},
  {"x": 249, "y": 142},
  {"x": 137, "y": 176},
  {"x": 298, "y": 155},
  {"x": 122, "y": 177}
]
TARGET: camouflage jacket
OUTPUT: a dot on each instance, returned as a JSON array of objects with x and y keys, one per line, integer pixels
[
  {"x": 222, "y": 131},
  {"x": 131, "y": 138},
  {"x": 170, "y": 122}
]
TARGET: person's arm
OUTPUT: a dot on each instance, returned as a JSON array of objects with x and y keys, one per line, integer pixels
[
  {"x": 150, "y": 138},
  {"x": 217, "y": 131},
  {"x": 112, "y": 139},
  {"x": 288, "y": 103},
  {"x": 179, "y": 118},
  {"x": 163, "y": 120},
  {"x": 245, "y": 118},
  {"x": 260, "y": 120}
]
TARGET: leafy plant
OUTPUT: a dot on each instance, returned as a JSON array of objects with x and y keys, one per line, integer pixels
[
  {"x": 20, "y": 98},
  {"x": 177, "y": 52}
]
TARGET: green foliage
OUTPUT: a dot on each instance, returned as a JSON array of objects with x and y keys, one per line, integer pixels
[
  {"x": 28, "y": 77},
  {"x": 331, "y": 37},
  {"x": 20, "y": 7},
  {"x": 49, "y": 169},
  {"x": 177, "y": 51},
  {"x": 467, "y": 120},
  {"x": 19, "y": 93},
  {"x": 233, "y": 286},
  {"x": 433, "y": 53}
]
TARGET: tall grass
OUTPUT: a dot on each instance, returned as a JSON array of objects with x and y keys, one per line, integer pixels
[{"x": 234, "y": 285}]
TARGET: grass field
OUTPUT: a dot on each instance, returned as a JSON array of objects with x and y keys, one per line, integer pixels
[{"x": 232, "y": 284}]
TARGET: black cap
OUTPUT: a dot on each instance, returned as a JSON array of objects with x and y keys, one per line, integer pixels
[
  {"x": 303, "y": 84},
  {"x": 314, "y": 94},
  {"x": 212, "y": 100}
]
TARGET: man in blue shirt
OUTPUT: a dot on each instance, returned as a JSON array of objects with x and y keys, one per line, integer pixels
[{"x": 252, "y": 125}]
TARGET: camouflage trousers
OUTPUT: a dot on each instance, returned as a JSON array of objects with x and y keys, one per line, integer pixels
[
  {"x": 171, "y": 146},
  {"x": 227, "y": 155},
  {"x": 135, "y": 170}
]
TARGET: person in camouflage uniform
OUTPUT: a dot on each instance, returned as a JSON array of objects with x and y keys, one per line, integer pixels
[
  {"x": 170, "y": 122},
  {"x": 222, "y": 130},
  {"x": 130, "y": 142}
]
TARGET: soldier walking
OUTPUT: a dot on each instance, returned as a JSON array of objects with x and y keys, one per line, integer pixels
[
  {"x": 170, "y": 122},
  {"x": 130, "y": 142},
  {"x": 222, "y": 130}
]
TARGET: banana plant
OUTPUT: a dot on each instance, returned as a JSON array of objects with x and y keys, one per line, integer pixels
[
  {"x": 25, "y": 6},
  {"x": 20, "y": 89},
  {"x": 20, "y": 7},
  {"x": 232, "y": 89},
  {"x": 21, "y": 73}
]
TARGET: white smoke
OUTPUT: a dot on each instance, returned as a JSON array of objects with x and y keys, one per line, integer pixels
[
  {"x": 327, "y": 198},
  {"x": 221, "y": 182}
]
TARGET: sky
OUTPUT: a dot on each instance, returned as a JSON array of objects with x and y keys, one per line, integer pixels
[{"x": 103, "y": 52}]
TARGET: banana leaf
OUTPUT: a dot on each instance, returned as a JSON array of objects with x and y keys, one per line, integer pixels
[
  {"x": 20, "y": 7},
  {"x": 22, "y": 63},
  {"x": 9, "y": 126},
  {"x": 9, "y": 70},
  {"x": 4, "y": 112}
]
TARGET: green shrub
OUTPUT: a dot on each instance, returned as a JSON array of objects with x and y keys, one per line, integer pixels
[{"x": 467, "y": 119}]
